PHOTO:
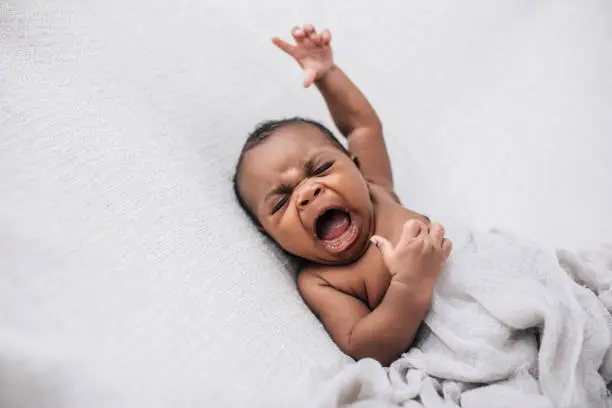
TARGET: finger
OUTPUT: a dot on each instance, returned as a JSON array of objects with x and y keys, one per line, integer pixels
[
  {"x": 316, "y": 38},
  {"x": 326, "y": 36},
  {"x": 384, "y": 246},
  {"x": 411, "y": 230},
  {"x": 447, "y": 247},
  {"x": 310, "y": 75},
  {"x": 311, "y": 36},
  {"x": 309, "y": 29},
  {"x": 288, "y": 48},
  {"x": 436, "y": 234},
  {"x": 308, "y": 42},
  {"x": 424, "y": 232},
  {"x": 298, "y": 34}
]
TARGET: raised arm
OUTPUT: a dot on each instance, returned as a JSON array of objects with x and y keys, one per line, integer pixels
[
  {"x": 349, "y": 108},
  {"x": 358, "y": 122}
]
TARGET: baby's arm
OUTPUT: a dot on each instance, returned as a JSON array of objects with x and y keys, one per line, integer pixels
[
  {"x": 358, "y": 122},
  {"x": 385, "y": 332},
  {"x": 382, "y": 334},
  {"x": 349, "y": 108}
]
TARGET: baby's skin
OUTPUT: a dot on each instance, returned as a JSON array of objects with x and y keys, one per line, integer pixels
[{"x": 371, "y": 264}]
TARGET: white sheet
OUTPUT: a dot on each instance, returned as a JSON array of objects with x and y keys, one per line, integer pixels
[
  {"x": 508, "y": 327},
  {"x": 128, "y": 277}
]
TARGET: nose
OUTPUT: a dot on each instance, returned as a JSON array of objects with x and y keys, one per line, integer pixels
[{"x": 308, "y": 194}]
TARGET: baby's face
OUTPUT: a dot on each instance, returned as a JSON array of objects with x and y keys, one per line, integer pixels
[{"x": 308, "y": 195}]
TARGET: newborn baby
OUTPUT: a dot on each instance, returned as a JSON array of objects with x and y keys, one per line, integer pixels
[
  {"x": 503, "y": 319},
  {"x": 328, "y": 205}
]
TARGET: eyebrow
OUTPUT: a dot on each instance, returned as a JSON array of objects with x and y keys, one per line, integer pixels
[{"x": 283, "y": 188}]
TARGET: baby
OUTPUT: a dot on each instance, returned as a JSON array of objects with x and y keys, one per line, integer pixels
[{"x": 327, "y": 205}]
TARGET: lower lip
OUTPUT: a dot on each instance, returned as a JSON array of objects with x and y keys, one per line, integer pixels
[{"x": 344, "y": 241}]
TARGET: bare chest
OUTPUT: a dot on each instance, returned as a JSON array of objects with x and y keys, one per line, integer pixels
[{"x": 368, "y": 278}]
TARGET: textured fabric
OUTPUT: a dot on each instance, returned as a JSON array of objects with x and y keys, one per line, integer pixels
[
  {"x": 128, "y": 275},
  {"x": 508, "y": 327}
]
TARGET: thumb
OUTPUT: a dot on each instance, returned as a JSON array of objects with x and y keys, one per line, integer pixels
[
  {"x": 309, "y": 77},
  {"x": 383, "y": 246}
]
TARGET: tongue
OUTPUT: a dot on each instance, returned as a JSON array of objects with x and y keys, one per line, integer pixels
[{"x": 333, "y": 225}]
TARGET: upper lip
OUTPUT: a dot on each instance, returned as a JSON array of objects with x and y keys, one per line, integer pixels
[{"x": 321, "y": 211}]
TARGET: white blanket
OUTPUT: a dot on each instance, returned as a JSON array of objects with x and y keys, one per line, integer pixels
[{"x": 508, "y": 327}]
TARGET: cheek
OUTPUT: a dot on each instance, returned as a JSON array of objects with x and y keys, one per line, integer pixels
[
  {"x": 290, "y": 223},
  {"x": 350, "y": 183},
  {"x": 287, "y": 230}
]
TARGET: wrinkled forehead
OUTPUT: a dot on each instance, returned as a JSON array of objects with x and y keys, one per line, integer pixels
[{"x": 278, "y": 155}]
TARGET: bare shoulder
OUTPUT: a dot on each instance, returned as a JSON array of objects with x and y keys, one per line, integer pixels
[
  {"x": 339, "y": 278},
  {"x": 321, "y": 286},
  {"x": 312, "y": 283},
  {"x": 309, "y": 278},
  {"x": 351, "y": 280},
  {"x": 384, "y": 191},
  {"x": 315, "y": 276}
]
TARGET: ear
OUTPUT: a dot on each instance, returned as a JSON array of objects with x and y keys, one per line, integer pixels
[{"x": 356, "y": 161}]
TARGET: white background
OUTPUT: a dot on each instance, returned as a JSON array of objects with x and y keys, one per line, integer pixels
[{"x": 127, "y": 274}]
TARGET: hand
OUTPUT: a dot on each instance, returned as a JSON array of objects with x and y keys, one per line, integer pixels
[
  {"x": 312, "y": 52},
  {"x": 420, "y": 254}
]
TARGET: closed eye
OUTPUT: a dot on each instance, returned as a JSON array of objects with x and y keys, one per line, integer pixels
[
  {"x": 317, "y": 171},
  {"x": 280, "y": 203}
]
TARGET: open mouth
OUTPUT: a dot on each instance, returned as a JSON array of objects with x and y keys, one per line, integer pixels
[{"x": 335, "y": 229}]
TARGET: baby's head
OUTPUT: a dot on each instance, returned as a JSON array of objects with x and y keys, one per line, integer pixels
[{"x": 300, "y": 186}]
